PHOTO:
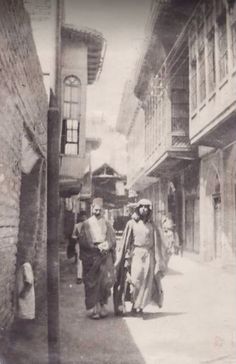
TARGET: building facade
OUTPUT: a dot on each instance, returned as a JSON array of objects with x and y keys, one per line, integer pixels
[
  {"x": 186, "y": 106},
  {"x": 23, "y": 156},
  {"x": 81, "y": 61},
  {"x": 82, "y": 54}
]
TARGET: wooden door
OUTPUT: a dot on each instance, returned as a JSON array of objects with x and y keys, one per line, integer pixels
[{"x": 189, "y": 224}]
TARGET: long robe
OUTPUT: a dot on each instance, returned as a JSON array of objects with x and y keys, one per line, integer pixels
[
  {"x": 98, "y": 267},
  {"x": 140, "y": 265}
]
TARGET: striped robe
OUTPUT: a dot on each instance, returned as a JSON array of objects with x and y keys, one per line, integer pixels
[{"x": 98, "y": 267}]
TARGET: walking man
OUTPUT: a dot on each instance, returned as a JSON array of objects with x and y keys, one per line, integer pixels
[
  {"x": 97, "y": 247},
  {"x": 141, "y": 264}
]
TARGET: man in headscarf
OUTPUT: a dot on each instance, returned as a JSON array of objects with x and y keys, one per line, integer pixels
[
  {"x": 97, "y": 246},
  {"x": 141, "y": 264}
]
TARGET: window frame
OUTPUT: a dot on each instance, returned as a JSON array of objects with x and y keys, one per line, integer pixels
[
  {"x": 223, "y": 56},
  {"x": 201, "y": 57},
  {"x": 71, "y": 115},
  {"x": 193, "y": 72},
  {"x": 233, "y": 40},
  {"x": 211, "y": 60}
]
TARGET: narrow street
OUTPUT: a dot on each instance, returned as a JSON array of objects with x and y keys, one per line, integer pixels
[
  {"x": 117, "y": 114},
  {"x": 196, "y": 324}
]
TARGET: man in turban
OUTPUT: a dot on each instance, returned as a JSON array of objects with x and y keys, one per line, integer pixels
[{"x": 97, "y": 246}]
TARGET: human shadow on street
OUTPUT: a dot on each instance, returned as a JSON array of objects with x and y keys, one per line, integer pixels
[
  {"x": 87, "y": 341},
  {"x": 155, "y": 315},
  {"x": 172, "y": 272}
]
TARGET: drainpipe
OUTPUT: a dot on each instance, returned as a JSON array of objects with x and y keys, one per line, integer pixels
[{"x": 52, "y": 231}]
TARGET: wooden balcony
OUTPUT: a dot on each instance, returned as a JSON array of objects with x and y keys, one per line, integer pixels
[
  {"x": 167, "y": 146},
  {"x": 213, "y": 123},
  {"x": 173, "y": 153},
  {"x": 72, "y": 171}
]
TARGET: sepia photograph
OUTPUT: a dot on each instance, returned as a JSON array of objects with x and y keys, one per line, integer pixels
[{"x": 118, "y": 181}]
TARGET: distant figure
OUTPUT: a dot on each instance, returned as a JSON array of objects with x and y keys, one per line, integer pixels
[
  {"x": 25, "y": 287},
  {"x": 141, "y": 264},
  {"x": 170, "y": 235},
  {"x": 25, "y": 294},
  {"x": 97, "y": 247},
  {"x": 75, "y": 235}
]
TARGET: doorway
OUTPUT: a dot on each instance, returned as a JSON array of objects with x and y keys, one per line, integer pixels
[
  {"x": 175, "y": 206},
  {"x": 217, "y": 218},
  {"x": 192, "y": 223}
]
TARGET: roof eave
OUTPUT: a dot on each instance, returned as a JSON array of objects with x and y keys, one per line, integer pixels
[{"x": 96, "y": 46}]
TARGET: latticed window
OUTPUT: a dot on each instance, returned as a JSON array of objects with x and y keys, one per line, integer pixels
[
  {"x": 233, "y": 31},
  {"x": 147, "y": 131},
  {"x": 159, "y": 114},
  {"x": 149, "y": 125},
  {"x": 153, "y": 117},
  {"x": 222, "y": 39},
  {"x": 71, "y": 110},
  {"x": 147, "y": 134},
  {"x": 211, "y": 60},
  {"x": 155, "y": 114},
  {"x": 193, "y": 72},
  {"x": 160, "y": 121},
  {"x": 201, "y": 58},
  {"x": 202, "y": 76},
  {"x": 163, "y": 123}
]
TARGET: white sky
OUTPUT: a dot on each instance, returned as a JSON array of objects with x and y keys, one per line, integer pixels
[{"x": 122, "y": 24}]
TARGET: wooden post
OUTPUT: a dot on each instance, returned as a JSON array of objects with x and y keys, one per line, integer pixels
[{"x": 52, "y": 232}]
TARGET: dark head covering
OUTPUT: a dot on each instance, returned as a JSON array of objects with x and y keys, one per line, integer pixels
[{"x": 98, "y": 201}]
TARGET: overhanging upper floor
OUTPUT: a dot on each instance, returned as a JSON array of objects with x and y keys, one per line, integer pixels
[
  {"x": 95, "y": 43},
  {"x": 212, "y": 73}
]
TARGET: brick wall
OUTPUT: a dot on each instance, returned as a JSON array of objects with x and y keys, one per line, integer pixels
[
  {"x": 32, "y": 225},
  {"x": 23, "y": 108},
  {"x": 43, "y": 16}
]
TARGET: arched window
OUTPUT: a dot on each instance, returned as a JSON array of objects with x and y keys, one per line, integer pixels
[{"x": 71, "y": 115}]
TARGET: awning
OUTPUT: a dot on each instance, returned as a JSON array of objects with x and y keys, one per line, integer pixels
[
  {"x": 169, "y": 163},
  {"x": 72, "y": 171},
  {"x": 68, "y": 188}
]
